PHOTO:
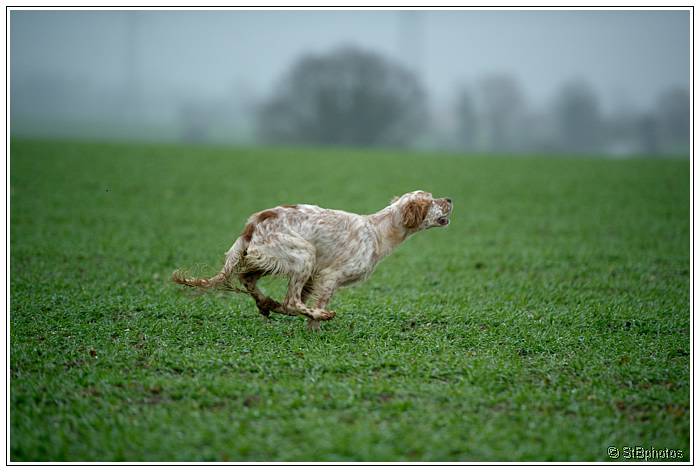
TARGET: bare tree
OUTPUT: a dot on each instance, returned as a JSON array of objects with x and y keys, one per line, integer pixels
[
  {"x": 467, "y": 121},
  {"x": 578, "y": 118},
  {"x": 502, "y": 107},
  {"x": 348, "y": 97},
  {"x": 647, "y": 129},
  {"x": 673, "y": 117}
]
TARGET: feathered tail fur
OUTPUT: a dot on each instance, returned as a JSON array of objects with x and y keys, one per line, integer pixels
[{"x": 233, "y": 257}]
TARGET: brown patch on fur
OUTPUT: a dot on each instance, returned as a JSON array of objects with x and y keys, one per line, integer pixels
[
  {"x": 264, "y": 215},
  {"x": 247, "y": 233},
  {"x": 249, "y": 229},
  {"x": 414, "y": 212}
]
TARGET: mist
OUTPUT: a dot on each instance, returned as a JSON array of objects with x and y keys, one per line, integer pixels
[{"x": 607, "y": 82}]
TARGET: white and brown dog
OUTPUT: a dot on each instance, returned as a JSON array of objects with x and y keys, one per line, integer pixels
[{"x": 319, "y": 250}]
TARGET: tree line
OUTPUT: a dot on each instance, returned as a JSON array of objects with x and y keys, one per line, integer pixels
[{"x": 353, "y": 97}]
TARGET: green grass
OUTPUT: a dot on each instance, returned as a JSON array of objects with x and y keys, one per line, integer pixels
[{"x": 549, "y": 321}]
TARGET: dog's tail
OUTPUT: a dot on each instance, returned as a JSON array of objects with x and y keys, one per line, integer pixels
[{"x": 233, "y": 258}]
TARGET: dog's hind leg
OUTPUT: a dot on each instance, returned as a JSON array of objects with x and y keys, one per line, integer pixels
[
  {"x": 286, "y": 255},
  {"x": 293, "y": 256},
  {"x": 264, "y": 303}
]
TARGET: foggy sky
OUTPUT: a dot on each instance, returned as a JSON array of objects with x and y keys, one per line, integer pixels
[{"x": 627, "y": 56}]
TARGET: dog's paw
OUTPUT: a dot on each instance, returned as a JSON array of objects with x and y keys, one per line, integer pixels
[
  {"x": 264, "y": 311},
  {"x": 327, "y": 315}
]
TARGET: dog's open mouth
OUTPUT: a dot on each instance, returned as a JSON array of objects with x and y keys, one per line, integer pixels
[{"x": 443, "y": 221}]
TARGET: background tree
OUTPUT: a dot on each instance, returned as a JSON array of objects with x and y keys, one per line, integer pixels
[
  {"x": 501, "y": 108},
  {"x": 647, "y": 129},
  {"x": 467, "y": 121},
  {"x": 673, "y": 118},
  {"x": 348, "y": 97},
  {"x": 578, "y": 118}
]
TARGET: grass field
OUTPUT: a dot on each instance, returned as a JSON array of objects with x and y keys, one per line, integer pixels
[{"x": 549, "y": 321}]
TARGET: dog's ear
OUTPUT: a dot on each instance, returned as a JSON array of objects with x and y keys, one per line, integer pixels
[{"x": 414, "y": 212}]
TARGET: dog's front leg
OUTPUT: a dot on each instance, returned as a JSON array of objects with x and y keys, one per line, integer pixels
[{"x": 324, "y": 288}]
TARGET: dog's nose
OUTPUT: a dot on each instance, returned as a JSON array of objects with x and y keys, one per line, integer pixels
[{"x": 449, "y": 200}]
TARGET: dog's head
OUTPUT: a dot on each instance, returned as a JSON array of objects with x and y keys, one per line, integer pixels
[{"x": 419, "y": 210}]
